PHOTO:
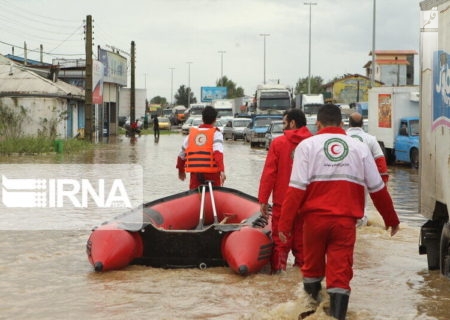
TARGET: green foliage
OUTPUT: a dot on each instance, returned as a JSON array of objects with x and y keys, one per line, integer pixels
[
  {"x": 316, "y": 85},
  {"x": 11, "y": 122},
  {"x": 39, "y": 145},
  {"x": 159, "y": 100},
  {"x": 181, "y": 97},
  {"x": 232, "y": 91}
]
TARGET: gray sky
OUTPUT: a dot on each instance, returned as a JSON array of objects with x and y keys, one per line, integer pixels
[{"x": 170, "y": 33}]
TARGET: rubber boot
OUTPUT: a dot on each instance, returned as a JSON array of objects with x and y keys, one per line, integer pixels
[
  {"x": 338, "y": 305},
  {"x": 313, "y": 289}
]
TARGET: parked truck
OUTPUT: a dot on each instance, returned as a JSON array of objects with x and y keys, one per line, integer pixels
[
  {"x": 310, "y": 103},
  {"x": 434, "y": 172},
  {"x": 272, "y": 98},
  {"x": 393, "y": 114}
]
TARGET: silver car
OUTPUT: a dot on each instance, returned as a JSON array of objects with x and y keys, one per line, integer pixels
[
  {"x": 234, "y": 129},
  {"x": 275, "y": 130}
]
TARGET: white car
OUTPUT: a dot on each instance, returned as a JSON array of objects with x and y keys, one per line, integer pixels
[
  {"x": 234, "y": 129},
  {"x": 275, "y": 130},
  {"x": 191, "y": 121}
]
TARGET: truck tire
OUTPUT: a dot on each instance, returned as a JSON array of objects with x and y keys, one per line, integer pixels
[
  {"x": 444, "y": 250},
  {"x": 390, "y": 159},
  {"x": 414, "y": 156}
]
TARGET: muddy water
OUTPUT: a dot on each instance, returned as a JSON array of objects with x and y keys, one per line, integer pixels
[{"x": 44, "y": 274}]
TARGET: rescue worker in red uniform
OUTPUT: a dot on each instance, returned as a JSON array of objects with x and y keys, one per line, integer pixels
[
  {"x": 202, "y": 153},
  {"x": 275, "y": 180},
  {"x": 330, "y": 173}
]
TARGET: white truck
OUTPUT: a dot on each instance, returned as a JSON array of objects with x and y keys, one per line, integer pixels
[
  {"x": 225, "y": 109},
  {"x": 310, "y": 103},
  {"x": 435, "y": 134},
  {"x": 393, "y": 117},
  {"x": 273, "y": 98}
]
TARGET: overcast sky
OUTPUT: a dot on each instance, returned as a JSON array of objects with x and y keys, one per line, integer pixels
[{"x": 170, "y": 33}]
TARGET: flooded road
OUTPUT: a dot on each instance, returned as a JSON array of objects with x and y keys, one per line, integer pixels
[{"x": 44, "y": 274}]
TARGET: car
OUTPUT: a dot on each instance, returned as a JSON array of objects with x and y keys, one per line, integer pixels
[
  {"x": 192, "y": 121},
  {"x": 164, "y": 123},
  {"x": 234, "y": 129},
  {"x": 257, "y": 129},
  {"x": 185, "y": 127},
  {"x": 220, "y": 124},
  {"x": 275, "y": 130}
]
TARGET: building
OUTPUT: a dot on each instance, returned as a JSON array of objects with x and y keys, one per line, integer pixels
[
  {"x": 51, "y": 107},
  {"x": 392, "y": 67},
  {"x": 348, "y": 89}
]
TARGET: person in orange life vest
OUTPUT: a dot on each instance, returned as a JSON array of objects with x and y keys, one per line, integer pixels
[
  {"x": 330, "y": 173},
  {"x": 202, "y": 153},
  {"x": 275, "y": 180}
]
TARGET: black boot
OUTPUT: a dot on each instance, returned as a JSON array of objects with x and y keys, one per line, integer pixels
[
  {"x": 313, "y": 289},
  {"x": 338, "y": 305}
]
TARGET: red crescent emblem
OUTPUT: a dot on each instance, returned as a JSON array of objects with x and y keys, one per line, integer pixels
[{"x": 332, "y": 149}]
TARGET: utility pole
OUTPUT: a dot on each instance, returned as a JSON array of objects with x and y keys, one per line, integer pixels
[
  {"x": 189, "y": 84},
  {"x": 133, "y": 89},
  {"x": 372, "y": 73},
  {"x": 88, "y": 113},
  {"x": 310, "y": 4},
  {"x": 171, "y": 87},
  {"x": 264, "y": 67},
  {"x": 221, "y": 65}
]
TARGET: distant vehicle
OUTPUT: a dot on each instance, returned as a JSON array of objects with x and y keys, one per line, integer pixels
[
  {"x": 220, "y": 124},
  {"x": 164, "y": 123},
  {"x": 311, "y": 103},
  {"x": 273, "y": 98},
  {"x": 256, "y": 131},
  {"x": 362, "y": 108},
  {"x": 224, "y": 109},
  {"x": 178, "y": 114},
  {"x": 195, "y": 109},
  {"x": 185, "y": 127},
  {"x": 311, "y": 123},
  {"x": 275, "y": 130},
  {"x": 394, "y": 120},
  {"x": 192, "y": 121},
  {"x": 234, "y": 129}
]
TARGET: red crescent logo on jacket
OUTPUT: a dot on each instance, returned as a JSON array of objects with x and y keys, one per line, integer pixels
[
  {"x": 200, "y": 139},
  {"x": 335, "y": 149}
]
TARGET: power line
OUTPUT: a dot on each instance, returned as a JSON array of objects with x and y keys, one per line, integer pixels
[{"x": 48, "y": 53}]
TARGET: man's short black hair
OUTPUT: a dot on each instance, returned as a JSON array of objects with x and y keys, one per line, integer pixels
[
  {"x": 209, "y": 115},
  {"x": 329, "y": 115},
  {"x": 297, "y": 115}
]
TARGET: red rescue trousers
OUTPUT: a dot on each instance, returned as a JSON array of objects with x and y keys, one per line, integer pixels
[
  {"x": 328, "y": 249},
  {"x": 281, "y": 250}
]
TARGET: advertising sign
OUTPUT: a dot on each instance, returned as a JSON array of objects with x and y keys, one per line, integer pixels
[
  {"x": 208, "y": 94},
  {"x": 115, "y": 67},
  {"x": 384, "y": 110}
]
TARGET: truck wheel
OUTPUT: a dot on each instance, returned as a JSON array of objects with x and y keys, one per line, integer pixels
[
  {"x": 390, "y": 159},
  {"x": 414, "y": 156},
  {"x": 445, "y": 254},
  {"x": 234, "y": 137}
]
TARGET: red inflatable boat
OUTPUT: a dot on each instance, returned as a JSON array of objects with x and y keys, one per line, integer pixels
[{"x": 197, "y": 228}]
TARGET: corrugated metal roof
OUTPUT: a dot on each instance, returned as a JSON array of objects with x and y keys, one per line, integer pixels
[{"x": 18, "y": 81}]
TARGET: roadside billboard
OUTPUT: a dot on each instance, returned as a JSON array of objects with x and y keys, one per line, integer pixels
[
  {"x": 208, "y": 94},
  {"x": 115, "y": 67}
]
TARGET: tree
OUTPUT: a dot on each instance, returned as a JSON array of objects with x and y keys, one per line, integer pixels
[
  {"x": 159, "y": 100},
  {"x": 316, "y": 85},
  {"x": 181, "y": 97},
  {"x": 232, "y": 91}
]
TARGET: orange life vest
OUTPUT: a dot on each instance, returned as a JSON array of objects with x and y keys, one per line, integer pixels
[{"x": 199, "y": 152}]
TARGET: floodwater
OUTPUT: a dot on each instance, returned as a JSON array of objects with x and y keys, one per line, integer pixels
[{"x": 44, "y": 274}]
